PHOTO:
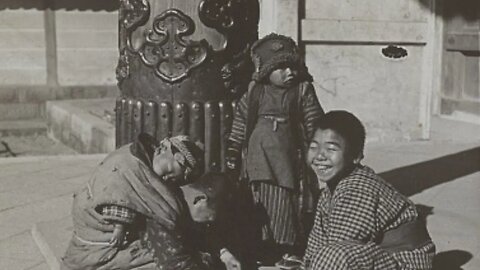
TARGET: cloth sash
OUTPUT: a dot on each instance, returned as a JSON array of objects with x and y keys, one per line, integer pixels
[{"x": 408, "y": 236}]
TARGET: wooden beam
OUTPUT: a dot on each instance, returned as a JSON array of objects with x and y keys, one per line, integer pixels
[
  {"x": 463, "y": 42},
  {"x": 352, "y": 31},
  {"x": 51, "y": 43}
]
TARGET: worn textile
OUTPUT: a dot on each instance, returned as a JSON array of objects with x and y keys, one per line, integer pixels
[
  {"x": 118, "y": 213},
  {"x": 270, "y": 126},
  {"x": 188, "y": 156},
  {"x": 124, "y": 179},
  {"x": 271, "y": 153},
  {"x": 280, "y": 211},
  {"x": 309, "y": 111},
  {"x": 175, "y": 249},
  {"x": 351, "y": 220}
]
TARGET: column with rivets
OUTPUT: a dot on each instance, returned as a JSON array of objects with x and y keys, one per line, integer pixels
[{"x": 181, "y": 64}]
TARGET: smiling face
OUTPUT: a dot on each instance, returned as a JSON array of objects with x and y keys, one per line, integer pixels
[
  {"x": 328, "y": 155},
  {"x": 166, "y": 166},
  {"x": 283, "y": 77}
]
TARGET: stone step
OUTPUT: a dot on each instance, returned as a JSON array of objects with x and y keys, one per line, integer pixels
[
  {"x": 23, "y": 127},
  {"x": 22, "y": 102},
  {"x": 85, "y": 125},
  {"x": 29, "y": 138},
  {"x": 21, "y": 111}
]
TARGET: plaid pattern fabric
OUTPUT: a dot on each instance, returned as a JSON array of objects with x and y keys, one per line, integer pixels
[
  {"x": 349, "y": 221},
  {"x": 348, "y": 255},
  {"x": 118, "y": 213}
]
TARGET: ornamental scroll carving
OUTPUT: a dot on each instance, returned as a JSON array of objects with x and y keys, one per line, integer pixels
[
  {"x": 237, "y": 19},
  {"x": 133, "y": 13},
  {"x": 164, "y": 44},
  {"x": 218, "y": 14},
  {"x": 166, "y": 49}
]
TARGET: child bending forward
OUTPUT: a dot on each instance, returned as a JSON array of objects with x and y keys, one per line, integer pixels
[{"x": 128, "y": 187}]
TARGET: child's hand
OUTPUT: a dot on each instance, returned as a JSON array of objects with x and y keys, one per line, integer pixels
[
  {"x": 233, "y": 155},
  {"x": 231, "y": 263},
  {"x": 231, "y": 163},
  {"x": 118, "y": 235}
]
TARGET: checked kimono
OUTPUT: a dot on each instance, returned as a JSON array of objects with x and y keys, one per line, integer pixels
[{"x": 366, "y": 224}]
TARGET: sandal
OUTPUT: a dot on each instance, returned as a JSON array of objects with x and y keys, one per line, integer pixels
[{"x": 289, "y": 262}]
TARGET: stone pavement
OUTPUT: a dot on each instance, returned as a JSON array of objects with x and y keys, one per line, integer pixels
[
  {"x": 441, "y": 175},
  {"x": 35, "y": 189}
]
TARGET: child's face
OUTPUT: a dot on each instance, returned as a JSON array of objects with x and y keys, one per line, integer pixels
[
  {"x": 283, "y": 77},
  {"x": 165, "y": 166},
  {"x": 328, "y": 155},
  {"x": 203, "y": 211}
]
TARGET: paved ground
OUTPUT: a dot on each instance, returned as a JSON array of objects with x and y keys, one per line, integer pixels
[
  {"x": 441, "y": 175},
  {"x": 35, "y": 189}
]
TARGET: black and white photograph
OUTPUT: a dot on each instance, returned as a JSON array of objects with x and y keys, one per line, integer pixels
[{"x": 239, "y": 134}]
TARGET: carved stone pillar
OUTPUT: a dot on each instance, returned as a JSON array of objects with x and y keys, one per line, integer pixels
[{"x": 181, "y": 64}]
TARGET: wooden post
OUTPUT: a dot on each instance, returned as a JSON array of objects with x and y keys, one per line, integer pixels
[{"x": 51, "y": 43}]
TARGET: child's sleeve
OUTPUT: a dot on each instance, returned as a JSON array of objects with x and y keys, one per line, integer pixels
[
  {"x": 311, "y": 108},
  {"x": 314, "y": 238},
  {"x": 237, "y": 135},
  {"x": 118, "y": 213},
  {"x": 353, "y": 215}
]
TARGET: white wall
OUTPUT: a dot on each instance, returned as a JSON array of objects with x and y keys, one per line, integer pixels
[
  {"x": 22, "y": 46},
  {"x": 87, "y": 43},
  {"x": 343, "y": 41}
]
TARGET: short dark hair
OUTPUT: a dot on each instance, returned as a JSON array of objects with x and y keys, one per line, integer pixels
[
  {"x": 216, "y": 185},
  {"x": 346, "y": 125}
]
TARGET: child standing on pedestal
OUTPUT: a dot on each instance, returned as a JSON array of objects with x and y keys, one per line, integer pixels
[{"x": 272, "y": 122}]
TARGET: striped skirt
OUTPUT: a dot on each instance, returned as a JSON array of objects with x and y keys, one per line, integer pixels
[{"x": 279, "y": 213}]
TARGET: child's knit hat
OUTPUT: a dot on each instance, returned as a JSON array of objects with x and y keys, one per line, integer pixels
[{"x": 272, "y": 52}]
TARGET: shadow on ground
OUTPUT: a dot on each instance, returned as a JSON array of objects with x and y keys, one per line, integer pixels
[
  {"x": 424, "y": 211},
  {"x": 413, "y": 179},
  {"x": 446, "y": 260},
  {"x": 451, "y": 260}
]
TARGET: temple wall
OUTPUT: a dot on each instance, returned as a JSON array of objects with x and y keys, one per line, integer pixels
[{"x": 346, "y": 50}]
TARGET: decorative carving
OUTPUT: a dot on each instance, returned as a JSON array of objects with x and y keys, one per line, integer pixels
[
  {"x": 219, "y": 14},
  {"x": 123, "y": 66},
  {"x": 236, "y": 73},
  {"x": 238, "y": 20},
  {"x": 134, "y": 13},
  {"x": 166, "y": 50},
  {"x": 170, "y": 56}
]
